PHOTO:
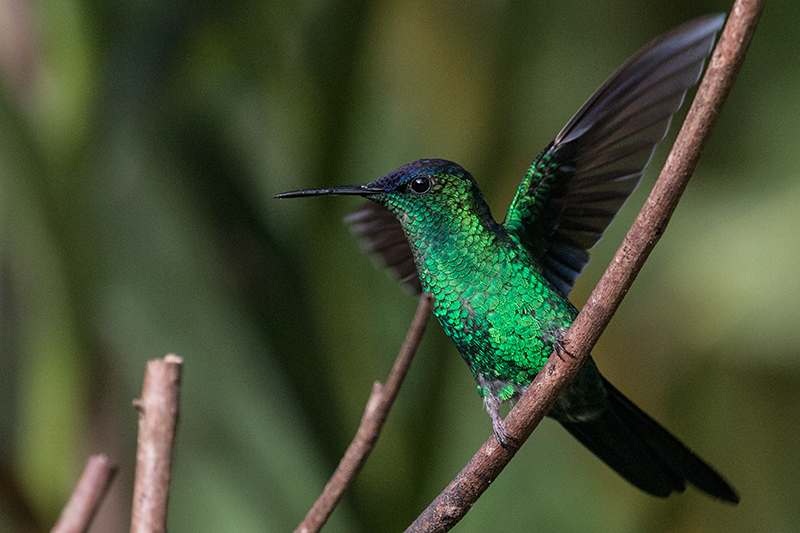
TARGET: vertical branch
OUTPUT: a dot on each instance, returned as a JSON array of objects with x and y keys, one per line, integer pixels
[
  {"x": 378, "y": 405},
  {"x": 83, "y": 504},
  {"x": 462, "y": 493},
  {"x": 158, "y": 418}
]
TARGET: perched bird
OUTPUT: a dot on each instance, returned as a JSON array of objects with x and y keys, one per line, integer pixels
[{"x": 500, "y": 289}]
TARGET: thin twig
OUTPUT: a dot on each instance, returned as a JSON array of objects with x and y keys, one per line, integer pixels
[
  {"x": 158, "y": 419},
  {"x": 83, "y": 504},
  {"x": 461, "y": 494},
  {"x": 378, "y": 405}
]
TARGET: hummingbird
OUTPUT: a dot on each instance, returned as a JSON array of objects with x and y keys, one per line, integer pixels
[{"x": 500, "y": 289}]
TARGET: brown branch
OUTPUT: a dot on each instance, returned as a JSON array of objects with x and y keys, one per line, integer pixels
[
  {"x": 158, "y": 419},
  {"x": 378, "y": 405},
  {"x": 459, "y": 496},
  {"x": 84, "y": 502}
]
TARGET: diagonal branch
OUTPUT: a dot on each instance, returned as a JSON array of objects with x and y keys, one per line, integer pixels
[
  {"x": 82, "y": 506},
  {"x": 459, "y": 496},
  {"x": 378, "y": 405}
]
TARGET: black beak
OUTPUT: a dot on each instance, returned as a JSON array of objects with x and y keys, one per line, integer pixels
[{"x": 358, "y": 190}]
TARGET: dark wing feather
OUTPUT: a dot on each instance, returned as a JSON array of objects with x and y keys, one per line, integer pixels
[
  {"x": 576, "y": 186},
  {"x": 382, "y": 236}
]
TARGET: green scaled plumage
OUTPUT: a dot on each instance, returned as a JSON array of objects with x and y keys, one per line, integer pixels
[
  {"x": 490, "y": 295},
  {"x": 500, "y": 289}
]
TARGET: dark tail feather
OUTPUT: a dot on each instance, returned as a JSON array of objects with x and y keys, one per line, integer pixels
[{"x": 643, "y": 452}]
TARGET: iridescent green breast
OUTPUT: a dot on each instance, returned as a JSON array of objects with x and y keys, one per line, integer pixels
[{"x": 493, "y": 302}]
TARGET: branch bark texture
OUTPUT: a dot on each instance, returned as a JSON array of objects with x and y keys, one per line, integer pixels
[
  {"x": 158, "y": 420},
  {"x": 462, "y": 493},
  {"x": 378, "y": 405}
]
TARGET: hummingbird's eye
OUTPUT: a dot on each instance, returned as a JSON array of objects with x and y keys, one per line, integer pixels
[{"x": 420, "y": 185}]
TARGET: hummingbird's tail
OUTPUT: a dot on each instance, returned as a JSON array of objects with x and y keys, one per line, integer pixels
[{"x": 643, "y": 452}]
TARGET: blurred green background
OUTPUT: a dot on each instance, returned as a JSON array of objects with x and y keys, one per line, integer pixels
[{"x": 140, "y": 146}]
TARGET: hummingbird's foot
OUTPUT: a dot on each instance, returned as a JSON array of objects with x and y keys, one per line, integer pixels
[
  {"x": 559, "y": 348},
  {"x": 555, "y": 335},
  {"x": 494, "y": 392},
  {"x": 503, "y": 437}
]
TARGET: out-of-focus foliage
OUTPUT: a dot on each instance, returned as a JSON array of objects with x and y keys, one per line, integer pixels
[{"x": 140, "y": 146}]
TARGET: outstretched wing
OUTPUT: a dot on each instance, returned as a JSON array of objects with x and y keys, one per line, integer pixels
[
  {"x": 576, "y": 186},
  {"x": 383, "y": 237}
]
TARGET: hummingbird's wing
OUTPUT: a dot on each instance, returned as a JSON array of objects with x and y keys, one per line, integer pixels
[
  {"x": 382, "y": 236},
  {"x": 576, "y": 186}
]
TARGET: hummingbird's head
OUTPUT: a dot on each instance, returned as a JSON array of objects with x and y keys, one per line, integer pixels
[
  {"x": 436, "y": 203},
  {"x": 424, "y": 184}
]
